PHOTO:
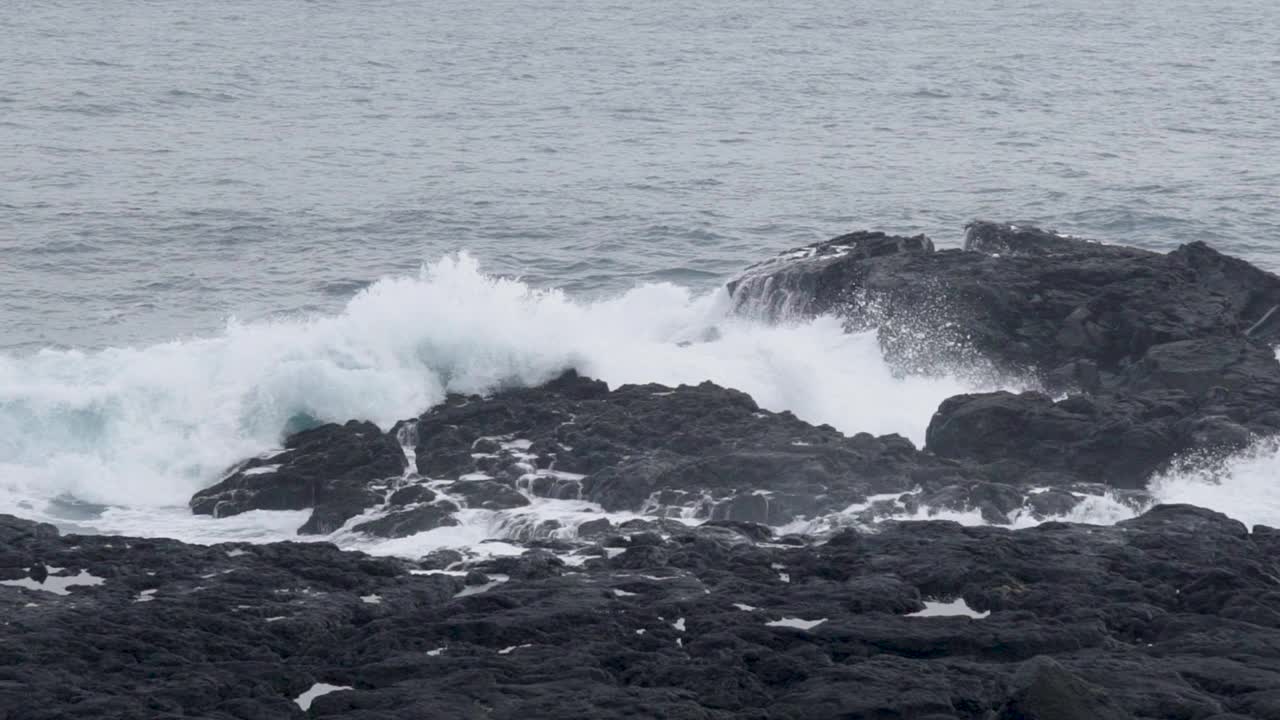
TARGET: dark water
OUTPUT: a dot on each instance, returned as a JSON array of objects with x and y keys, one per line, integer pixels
[{"x": 168, "y": 164}]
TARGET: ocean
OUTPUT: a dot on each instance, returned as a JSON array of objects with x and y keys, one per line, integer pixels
[{"x": 216, "y": 218}]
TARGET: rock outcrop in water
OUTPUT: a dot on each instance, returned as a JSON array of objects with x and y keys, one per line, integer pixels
[
  {"x": 1163, "y": 355},
  {"x": 697, "y": 606},
  {"x": 1175, "y": 614},
  {"x": 703, "y": 451},
  {"x": 1025, "y": 299},
  {"x": 694, "y": 452},
  {"x": 336, "y": 469}
]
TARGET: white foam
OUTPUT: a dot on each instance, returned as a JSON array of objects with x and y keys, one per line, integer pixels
[
  {"x": 797, "y": 623},
  {"x": 178, "y": 522},
  {"x": 1091, "y": 509},
  {"x": 782, "y": 576},
  {"x": 57, "y": 584},
  {"x": 1243, "y": 487},
  {"x": 261, "y": 470},
  {"x": 305, "y": 699},
  {"x": 955, "y": 608}
]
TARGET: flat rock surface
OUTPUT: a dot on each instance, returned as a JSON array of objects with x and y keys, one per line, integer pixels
[{"x": 1175, "y": 614}]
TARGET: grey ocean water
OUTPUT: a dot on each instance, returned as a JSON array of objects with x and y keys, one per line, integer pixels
[{"x": 165, "y": 165}]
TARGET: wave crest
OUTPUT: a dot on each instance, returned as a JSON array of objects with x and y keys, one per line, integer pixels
[{"x": 149, "y": 426}]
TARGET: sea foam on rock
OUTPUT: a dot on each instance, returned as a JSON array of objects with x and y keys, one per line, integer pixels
[
  {"x": 1172, "y": 614},
  {"x": 697, "y": 452},
  {"x": 694, "y": 606},
  {"x": 1145, "y": 392},
  {"x": 703, "y": 451}
]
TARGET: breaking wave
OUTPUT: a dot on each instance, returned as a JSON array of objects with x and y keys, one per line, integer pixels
[
  {"x": 119, "y": 438},
  {"x": 1242, "y": 486},
  {"x": 147, "y": 426}
]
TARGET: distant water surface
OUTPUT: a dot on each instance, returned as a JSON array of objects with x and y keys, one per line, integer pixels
[{"x": 167, "y": 165}]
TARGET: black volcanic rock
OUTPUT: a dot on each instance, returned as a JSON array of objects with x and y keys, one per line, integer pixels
[
  {"x": 704, "y": 451},
  {"x": 1027, "y": 300},
  {"x": 1044, "y": 690},
  {"x": 487, "y": 494},
  {"x": 408, "y": 495},
  {"x": 1193, "y": 397},
  {"x": 1116, "y": 443},
  {"x": 1168, "y": 355},
  {"x": 331, "y": 468},
  {"x": 658, "y": 449},
  {"x": 403, "y": 523},
  {"x": 1172, "y": 614},
  {"x": 1165, "y": 353}
]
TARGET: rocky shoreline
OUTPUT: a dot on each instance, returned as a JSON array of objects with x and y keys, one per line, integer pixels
[{"x": 711, "y": 589}]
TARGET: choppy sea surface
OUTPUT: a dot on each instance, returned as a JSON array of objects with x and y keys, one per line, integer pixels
[{"x": 217, "y": 216}]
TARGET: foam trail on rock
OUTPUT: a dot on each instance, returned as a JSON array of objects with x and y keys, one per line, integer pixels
[
  {"x": 146, "y": 427},
  {"x": 1091, "y": 510}
]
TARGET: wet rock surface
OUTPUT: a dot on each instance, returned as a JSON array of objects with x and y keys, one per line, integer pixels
[
  {"x": 335, "y": 469},
  {"x": 1175, "y": 614},
  {"x": 1176, "y": 367},
  {"x": 705, "y": 451},
  {"x": 1162, "y": 356},
  {"x": 690, "y": 599},
  {"x": 1025, "y": 299}
]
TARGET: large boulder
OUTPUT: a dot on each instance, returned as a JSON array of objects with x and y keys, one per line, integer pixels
[
  {"x": 1202, "y": 398},
  {"x": 1021, "y": 437},
  {"x": 334, "y": 469},
  {"x": 411, "y": 521},
  {"x": 1024, "y": 299}
]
